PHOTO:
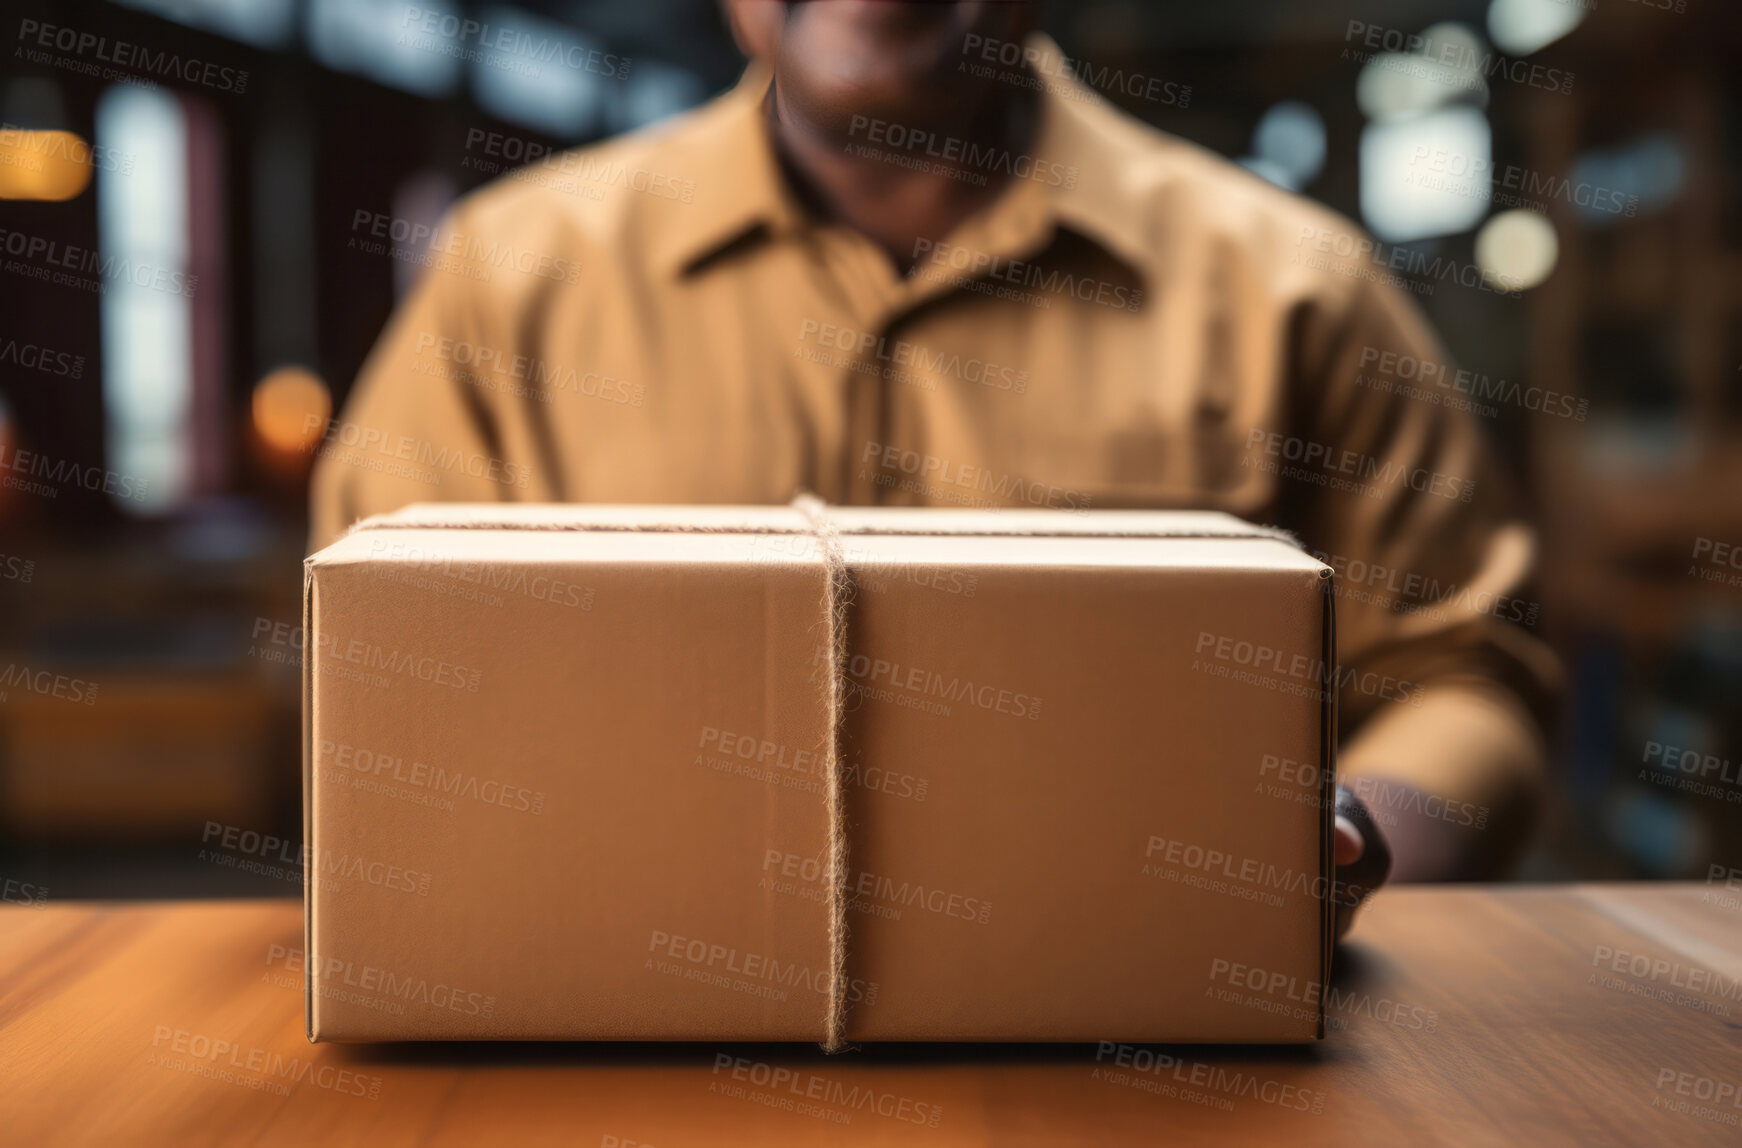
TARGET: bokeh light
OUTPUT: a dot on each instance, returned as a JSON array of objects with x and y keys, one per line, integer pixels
[
  {"x": 1290, "y": 140},
  {"x": 1398, "y": 85},
  {"x": 1517, "y": 250},
  {"x": 1426, "y": 176},
  {"x": 1520, "y": 27},
  {"x": 43, "y": 165},
  {"x": 291, "y": 406}
]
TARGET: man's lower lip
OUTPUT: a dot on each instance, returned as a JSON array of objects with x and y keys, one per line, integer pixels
[{"x": 897, "y": 11}]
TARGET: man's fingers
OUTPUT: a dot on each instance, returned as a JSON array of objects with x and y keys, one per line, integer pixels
[
  {"x": 1350, "y": 844},
  {"x": 1357, "y": 875},
  {"x": 1373, "y": 864}
]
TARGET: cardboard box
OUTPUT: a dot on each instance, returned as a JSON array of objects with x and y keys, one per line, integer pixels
[{"x": 565, "y": 777}]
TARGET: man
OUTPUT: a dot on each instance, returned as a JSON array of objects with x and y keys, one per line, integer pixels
[{"x": 889, "y": 269}]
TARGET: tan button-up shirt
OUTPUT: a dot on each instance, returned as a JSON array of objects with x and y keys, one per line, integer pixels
[{"x": 1132, "y": 323}]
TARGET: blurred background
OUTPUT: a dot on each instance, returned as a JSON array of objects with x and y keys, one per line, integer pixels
[{"x": 185, "y": 291}]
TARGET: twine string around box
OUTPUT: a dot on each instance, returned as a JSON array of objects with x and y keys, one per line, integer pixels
[{"x": 837, "y": 601}]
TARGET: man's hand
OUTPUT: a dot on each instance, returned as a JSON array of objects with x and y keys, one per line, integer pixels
[{"x": 1362, "y": 854}]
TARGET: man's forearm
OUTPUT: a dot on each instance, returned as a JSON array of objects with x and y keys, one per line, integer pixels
[{"x": 1455, "y": 782}]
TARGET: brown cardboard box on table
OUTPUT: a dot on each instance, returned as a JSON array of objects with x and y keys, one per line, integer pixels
[{"x": 566, "y": 776}]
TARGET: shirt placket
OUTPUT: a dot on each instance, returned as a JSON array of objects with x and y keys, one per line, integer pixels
[
  {"x": 867, "y": 283},
  {"x": 1018, "y": 226}
]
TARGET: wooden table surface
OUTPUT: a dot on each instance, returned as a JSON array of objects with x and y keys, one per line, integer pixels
[{"x": 1543, "y": 1015}]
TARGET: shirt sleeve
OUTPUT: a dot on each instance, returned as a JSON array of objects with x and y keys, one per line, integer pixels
[
  {"x": 1443, "y": 684},
  {"x": 416, "y": 427}
]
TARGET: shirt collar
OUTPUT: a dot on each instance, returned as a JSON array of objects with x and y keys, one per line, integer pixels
[
  {"x": 1105, "y": 152},
  {"x": 741, "y": 191},
  {"x": 740, "y": 188}
]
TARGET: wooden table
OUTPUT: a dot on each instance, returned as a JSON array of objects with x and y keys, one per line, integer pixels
[{"x": 1505, "y": 1015}]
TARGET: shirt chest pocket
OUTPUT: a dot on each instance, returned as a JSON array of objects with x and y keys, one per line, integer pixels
[{"x": 1139, "y": 444}]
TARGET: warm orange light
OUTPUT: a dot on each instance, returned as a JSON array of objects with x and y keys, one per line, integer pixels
[
  {"x": 43, "y": 165},
  {"x": 9, "y": 497},
  {"x": 291, "y": 406}
]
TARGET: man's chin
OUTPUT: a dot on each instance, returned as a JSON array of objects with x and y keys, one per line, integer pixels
[
  {"x": 882, "y": 46},
  {"x": 886, "y": 94},
  {"x": 892, "y": 17},
  {"x": 849, "y": 61}
]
